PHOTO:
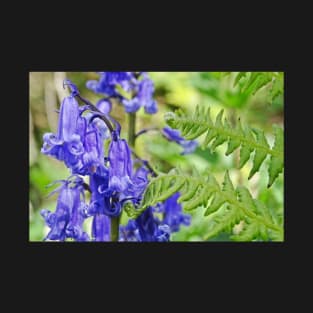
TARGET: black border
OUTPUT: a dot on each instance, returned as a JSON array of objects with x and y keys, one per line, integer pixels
[{"x": 172, "y": 257}]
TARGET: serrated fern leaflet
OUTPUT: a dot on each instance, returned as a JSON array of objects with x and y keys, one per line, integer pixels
[
  {"x": 252, "y": 82},
  {"x": 249, "y": 139},
  {"x": 224, "y": 206}
]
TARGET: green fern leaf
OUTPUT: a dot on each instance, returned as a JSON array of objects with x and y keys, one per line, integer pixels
[
  {"x": 238, "y": 77},
  {"x": 199, "y": 200},
  {"x": 234, "y": 142},
  {"x": 227, "y": 184},
  {"x": 216, "y": 203},
  {"x": 246, "y": 199},
  {"x": 245, "y": 152},
  {"x": 218, "y": 124},
  {"x": 227, "y": 207},
  {"x": 249, "y": 232},
  {"x": 188, "y": 192},
  {"x": 249, "y": 140},
  {"x": 260, "y": 154},
  {"x": 253, "y": 81},
  {"x": 225, "y": 218},
  {"x": 161, "y": 188},
  {"x": 277, "y": 87},
  {"x": 277, "y": 162}
]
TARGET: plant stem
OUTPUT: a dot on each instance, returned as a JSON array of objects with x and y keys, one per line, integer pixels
[
  {"x": 145, "y": 130},
  {"x": 94, "y": 108},
  {"x": 132, "y": 129},
  {"x": 115, "y": 222}
]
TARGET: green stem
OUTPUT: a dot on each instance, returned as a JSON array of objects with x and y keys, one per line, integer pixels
[
  {"x": 132, "y": 129},
  {"x": 115, "y": 222}
]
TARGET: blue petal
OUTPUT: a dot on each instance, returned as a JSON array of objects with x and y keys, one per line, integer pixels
[
  {"x": 120, "y": 170},
  {"x": 104, "y": 105},
  {"x": 68, "y": 118},
  {"x": 101, "y": 228}
]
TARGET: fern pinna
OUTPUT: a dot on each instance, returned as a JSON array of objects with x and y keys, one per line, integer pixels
[
  {"x": 225, "y": 206},
  {"x": 252, "y": 82},
  {"x": 250, "y": 139}
]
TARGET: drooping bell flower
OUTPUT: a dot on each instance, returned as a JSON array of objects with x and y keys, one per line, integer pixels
[
  {"x": 103, "y": 200},
  {"x": 143, "y": 96},
  {"x": 138, "y": 87},
  {"x": 99, "y": 205},
  {"x": 93, "y": 132},
  {"x": 68, "y": 118},
  {"x": 74, "y": 229},
  {"x": 129, "y": 232},
  {"x": 173, "y": 215},
  {"x": 94, "y": 152},
  {"x": 104, "y": 106},
  {"x": 53, "y": 144},
  {"x": 120, "y": 170},
  {"x": 108, "y": 81},
  {"x": 149, "y": 229},
  {"x": 100, "y": 229},
  {"x": 98, "y": 181},
  {"x": 131, "y": 105},
  {"x": 175, "y": 135},
  {"x": 146, "y": 227},
  {"x": 138, "y": 186},
  {"x": 67, "y": 220}
]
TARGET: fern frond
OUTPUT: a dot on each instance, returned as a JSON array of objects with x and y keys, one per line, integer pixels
[
  {"x": 252, "y": 82},
  {"x": 224, "y": 219},
  {"x": 197, "y": 192},
  {"x": 248, "y": 139}
]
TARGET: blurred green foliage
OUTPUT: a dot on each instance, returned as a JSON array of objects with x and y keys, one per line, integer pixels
[{"x": 172, "y": 90}]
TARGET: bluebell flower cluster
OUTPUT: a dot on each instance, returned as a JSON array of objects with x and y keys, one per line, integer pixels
[
  {"x": 133, "y": 90},
  {"x": 113, "y": 179},
  {"x": 149, "y": 226},
  {"x": 188, "y": 146}
]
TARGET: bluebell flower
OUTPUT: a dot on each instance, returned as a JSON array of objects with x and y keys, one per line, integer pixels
[
  {"x": 129, "y": 232},
  {"x": 100, "y": 229},
  {"x": 139, "y": 183},
  {"x": 175, "y": 135},
  {"x": 139, "y": 87},
  {"x": 98, "y": 181},
  {"x": 173, "y": 215},
  {"x": 120, "y": 170},
  {"x": 189, "y": 146},
  {"x": 145, "y": 228},
  {"x": 66, "y": 135},
  {"x": 145, "y": 95},
  {"x": 104, "y": 105},
  {"x": 131, "y": 105},
  {"x": 67, "y": 220},
  {"x": 114, "y": 78},
  {"x": 149, "y": 229},
  {"x": 72, "y": 86},
  {"x": 108, "y": 81}
]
